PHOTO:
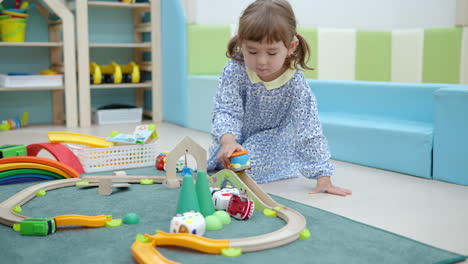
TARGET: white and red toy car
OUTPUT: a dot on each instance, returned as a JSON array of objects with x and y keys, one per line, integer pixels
[
  {"x": 240, "y": 207},
  {"x": 222, "y": 196}
]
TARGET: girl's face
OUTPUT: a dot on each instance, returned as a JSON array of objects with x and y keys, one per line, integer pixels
[{"x": 267, "y": 59}]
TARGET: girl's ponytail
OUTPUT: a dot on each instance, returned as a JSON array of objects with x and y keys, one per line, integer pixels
[
  {"x": 233, "y": 51},
  {"x": 299, "y": 57},
  {"x": 302, "y": 53}
]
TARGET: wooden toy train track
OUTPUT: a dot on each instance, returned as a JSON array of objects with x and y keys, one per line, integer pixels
[{"x": 144, "y": 250}]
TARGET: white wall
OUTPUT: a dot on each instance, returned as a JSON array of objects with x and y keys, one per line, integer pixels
[
  {"x": 424, "y": 13},
  {"x": 361, "y": 14}
]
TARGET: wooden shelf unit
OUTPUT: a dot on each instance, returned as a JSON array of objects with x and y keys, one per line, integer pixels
[
  {"x": 139, "y": 46},
  {"x": 118, "y": 5},
  {"x": 59, "y": 88},
  {"x": 62, "y": 58},
  {"x": 147, "y": 84},
  {"x": 31, "y": 44},
  {"x": 121, "y": 45}
]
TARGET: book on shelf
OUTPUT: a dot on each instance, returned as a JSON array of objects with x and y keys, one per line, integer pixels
[{"x": 31, "y": 80}]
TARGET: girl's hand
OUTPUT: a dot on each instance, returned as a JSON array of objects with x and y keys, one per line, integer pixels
[
  {"x": 228, "y": 146},
  {"x": 324, "y": 184}
]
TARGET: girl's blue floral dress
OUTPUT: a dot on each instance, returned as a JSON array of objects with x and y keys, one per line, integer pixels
[{"x": 276, "y": 121}]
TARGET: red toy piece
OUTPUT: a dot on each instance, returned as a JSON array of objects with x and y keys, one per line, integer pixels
[
  {"x": 60, "y": 152},
  {"x": 160, "y": 160},
  {"x": 240, "y": 207}
]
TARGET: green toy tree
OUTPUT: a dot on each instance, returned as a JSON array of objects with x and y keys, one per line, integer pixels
[
  {"x": 188, "y": 200},
  {"x": 204, "y": 194}
]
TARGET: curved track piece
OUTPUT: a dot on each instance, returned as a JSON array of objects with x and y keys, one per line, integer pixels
[
  {"x": 67, "y": 170},
  {"x": 295, "y": 222},
  {"x": 145, "y": 252},
  {"x": 199, "y": 243},
  {"x": 8, "y": 217},
  {"x": 66, "y": 137},
  {"x": 59, "y": 151}
]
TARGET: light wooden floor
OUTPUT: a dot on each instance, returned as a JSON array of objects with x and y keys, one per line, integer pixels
[{"x": 432, "y": 212}]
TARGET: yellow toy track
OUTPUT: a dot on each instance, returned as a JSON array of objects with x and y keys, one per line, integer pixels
[
  {"x": 66, "y": 137},
  {"x": 82, "y": 220}
]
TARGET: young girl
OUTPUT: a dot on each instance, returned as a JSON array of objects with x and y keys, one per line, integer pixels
[{"x": 265, "y": 105}]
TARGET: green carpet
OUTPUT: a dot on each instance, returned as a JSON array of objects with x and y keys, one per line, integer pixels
[{"x": 335, "y": 239}]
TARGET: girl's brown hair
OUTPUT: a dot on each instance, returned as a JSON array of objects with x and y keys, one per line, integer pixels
[{"x": 271, "y": 21}]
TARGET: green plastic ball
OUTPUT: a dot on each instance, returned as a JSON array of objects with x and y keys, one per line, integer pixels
[
  {"x": 131, "y": 218},
  {"x": 213, "y": 223},
  {"x": 224, "y": 217}
]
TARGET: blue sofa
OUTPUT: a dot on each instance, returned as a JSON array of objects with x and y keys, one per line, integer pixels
[
  {"x": 414, "y": 129},
  {"x": 379, "y": 124}
]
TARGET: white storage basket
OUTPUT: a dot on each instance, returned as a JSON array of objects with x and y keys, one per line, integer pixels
[
  {"x": 115, "y": 158},
  {"x": 117, "y": 116}
]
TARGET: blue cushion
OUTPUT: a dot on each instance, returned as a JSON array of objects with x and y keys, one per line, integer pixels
[
  {"x": 174, "y": 63},
  {"x": 451, "y": 135},
  {"x": 391, "y": 144},
  {"x": 201, "y": 90},
  {"x": 405, "y": 101}
]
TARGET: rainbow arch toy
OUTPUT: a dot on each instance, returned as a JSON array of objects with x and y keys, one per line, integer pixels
[{"x": 26, "y": 169}]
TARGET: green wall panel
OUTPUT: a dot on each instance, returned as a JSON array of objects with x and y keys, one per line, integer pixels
[
  {"x": 311, "y": 35},
  {"x": 373, "y": 55},
  {"x": 442, "y": 53},
  {"x": 207, "y": 48}
]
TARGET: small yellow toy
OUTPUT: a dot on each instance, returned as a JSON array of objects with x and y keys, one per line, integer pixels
[
  {"x": 96, "y": 73},
  {"x": 131, "y": 73},
  {"x": 114, "y": 73}
]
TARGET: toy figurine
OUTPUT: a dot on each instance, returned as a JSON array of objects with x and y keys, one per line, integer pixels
[
  {"x": 160, "y": 160},
  {"x": 190, "y": 222}
]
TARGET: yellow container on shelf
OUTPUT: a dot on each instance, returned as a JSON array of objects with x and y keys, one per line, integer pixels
[
  {"x": 15, "y": 14},
  {"x": 2, "y": 17},
  {"x": 13, "y": 29}
]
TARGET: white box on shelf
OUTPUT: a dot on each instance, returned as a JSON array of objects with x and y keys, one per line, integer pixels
[
  {"x": 31, "y": 80},
  {"x": 115, "y": 158},
  {"x": 117, "y": 116}
]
